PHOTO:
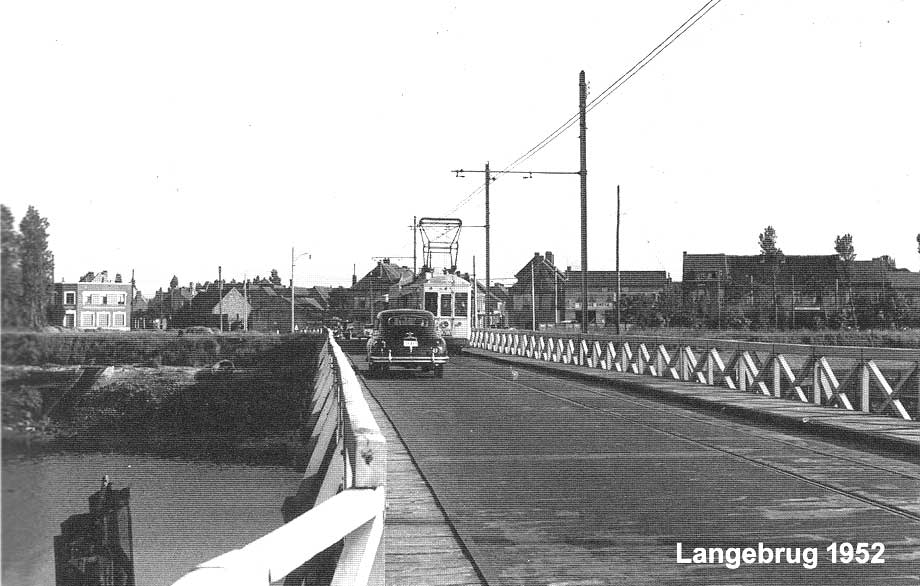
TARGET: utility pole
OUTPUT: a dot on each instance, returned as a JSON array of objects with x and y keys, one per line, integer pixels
[
  {"x": 414, "y": 245},
  {"x": 583, "y": 172},
  {"x": 533, "y": 299},
  {"x": 475, "y": 295},
  {"x": 131, "y": 301},
  {"x": 488, "y": 313},
  {"x": 555, "y": 295},
  {"x": 489, "y": 179},
  {"x": 292, "y": 289},
  {"x": 220, "y": 297},
  {"x": 619, "y": 321}
]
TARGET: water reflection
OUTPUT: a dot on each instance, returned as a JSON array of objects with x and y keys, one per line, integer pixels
[{"x": 183, "y": 512}]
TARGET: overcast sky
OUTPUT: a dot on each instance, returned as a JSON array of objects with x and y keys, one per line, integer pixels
[{"x": 173, "y": 137}]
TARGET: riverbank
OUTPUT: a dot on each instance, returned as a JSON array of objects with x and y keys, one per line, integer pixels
[{"x": 222, "y": 412}]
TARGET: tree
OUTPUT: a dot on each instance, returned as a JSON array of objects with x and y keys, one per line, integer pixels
[
  {"x": 772, "y": 256},
  {"x": 768, "y": 246},
  {"x": 274, "y": 279},
  {"x": 10, "y": 274},
  {"x": 918, "y": 242},
  {"x": 37, "y": 265},
  {"x": 174, "y": 282},
  {"x": 844, "y": 247}
]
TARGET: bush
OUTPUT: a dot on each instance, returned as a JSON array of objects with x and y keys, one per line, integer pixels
[{"x": 31, "y": 348}]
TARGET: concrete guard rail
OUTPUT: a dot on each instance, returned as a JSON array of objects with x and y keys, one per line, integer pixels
[
  {"x": 340, "y": 504},
  {"x": 873, "y": 380}
]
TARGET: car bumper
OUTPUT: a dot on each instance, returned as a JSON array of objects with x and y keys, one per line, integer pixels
[{"x": 390, "y": 359}]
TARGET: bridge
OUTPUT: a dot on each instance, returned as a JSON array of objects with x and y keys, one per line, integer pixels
[{"x": 552, "y": 459}]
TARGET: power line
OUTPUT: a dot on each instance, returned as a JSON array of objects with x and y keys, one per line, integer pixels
[
  {"x": 636, "y": 68},
  {"x": 620, "y": 81}
]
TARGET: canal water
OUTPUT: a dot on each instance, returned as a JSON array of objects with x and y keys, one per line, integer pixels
[{"x": 183, "y": 512}]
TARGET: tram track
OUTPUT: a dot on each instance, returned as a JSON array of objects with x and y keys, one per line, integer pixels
[{"x": 683, "y": 414}]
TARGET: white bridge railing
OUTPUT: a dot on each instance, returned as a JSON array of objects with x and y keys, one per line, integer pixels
[
  {"x": 342, "y": 494},
  {"x": 876, "y": 380}
]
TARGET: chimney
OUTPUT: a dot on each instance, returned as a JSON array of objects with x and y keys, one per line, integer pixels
[
  {"x": 550, "y": 258},
  {"x": 536, "y": 254}
]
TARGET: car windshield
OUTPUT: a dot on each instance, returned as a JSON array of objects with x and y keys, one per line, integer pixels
[{"x": 409, "y": 320}]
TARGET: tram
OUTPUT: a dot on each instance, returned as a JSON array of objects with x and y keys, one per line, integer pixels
[{"x": 447, "y": 296}]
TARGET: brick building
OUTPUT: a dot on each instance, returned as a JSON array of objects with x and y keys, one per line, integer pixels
[
  {"x": 93, "y": 303},
  {"x": 639, "y": 291}
]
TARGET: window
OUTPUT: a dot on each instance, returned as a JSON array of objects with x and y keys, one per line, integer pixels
[
  {"x": 102, "y": 319},
  {"x": 431, "y": 302},
  {"x": 86, "y": 319},
  {"x": 408, "y": 320},
  {"x": 120, "y": 298},
  {"x": 118, "y": 319},
  {"x": 445, "y": 304},
  {"x": 69, "y": 320},
  {"x": 460, "y": 304},
  {"x": 70, "y": 298},
  {"x": 96, "y": 299}
]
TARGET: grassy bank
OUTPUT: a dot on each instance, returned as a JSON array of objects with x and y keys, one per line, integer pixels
[
  {"x": 250, "y": 412},
  {"x": 152, "y": 348}
]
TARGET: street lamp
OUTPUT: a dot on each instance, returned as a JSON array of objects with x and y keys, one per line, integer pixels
[{"x": 293, "y": 259}]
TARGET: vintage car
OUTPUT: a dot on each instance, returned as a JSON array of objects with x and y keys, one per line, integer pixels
[{"x": 407, "y": 338}]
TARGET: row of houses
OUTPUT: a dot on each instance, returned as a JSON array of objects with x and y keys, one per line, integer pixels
[
  {"x": 792, "y": 290},
  {"x": 719, "y": 289}
]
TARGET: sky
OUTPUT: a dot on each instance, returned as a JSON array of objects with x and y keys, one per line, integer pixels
[{"x": 171, "y": 138}]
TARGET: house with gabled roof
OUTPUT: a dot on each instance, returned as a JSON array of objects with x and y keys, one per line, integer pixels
[
  {"x": 539, "y": 292},
  {"x": 219, "y": 307},
  {"x": 370, "y": 294}
]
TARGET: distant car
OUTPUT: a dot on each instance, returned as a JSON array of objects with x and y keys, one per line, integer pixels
[
  {"x": 406, "y": 338},
  {"x": 358, "y": 331}
]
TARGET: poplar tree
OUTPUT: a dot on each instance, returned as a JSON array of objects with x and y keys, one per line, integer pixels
[
  {"x": 36, "y": 265},
  {"x": 10, "y": 275}
]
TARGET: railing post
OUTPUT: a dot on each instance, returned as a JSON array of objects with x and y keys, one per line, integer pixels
[
  {"x": 777, "y": 376},
  {"x": 816, "y": 382},
  {"x": 864, "y": 387}
]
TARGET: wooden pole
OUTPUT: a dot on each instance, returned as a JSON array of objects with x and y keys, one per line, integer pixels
[
  {"x": 618, "y": 261},
  {"x": 582, "y": 99},
  {"x": 97, "y": 547},
  {"x": 488, "y": 252}
]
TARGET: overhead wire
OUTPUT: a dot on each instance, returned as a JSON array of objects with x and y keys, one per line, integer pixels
[
  {"x": 620, "y": 81},
  {"x": 617, "y": 84}
]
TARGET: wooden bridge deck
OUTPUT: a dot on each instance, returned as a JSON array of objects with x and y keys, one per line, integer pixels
[
  {"x": 554, "y": 481},
  {"x": 421, "y": 546}
]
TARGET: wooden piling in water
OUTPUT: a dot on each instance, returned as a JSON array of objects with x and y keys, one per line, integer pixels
[{"x": 95, "y": 548}]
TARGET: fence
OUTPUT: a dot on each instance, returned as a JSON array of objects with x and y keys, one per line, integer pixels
[
  {"x": 875, "y": 380},
  {"x": 336, "y": 521}
]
